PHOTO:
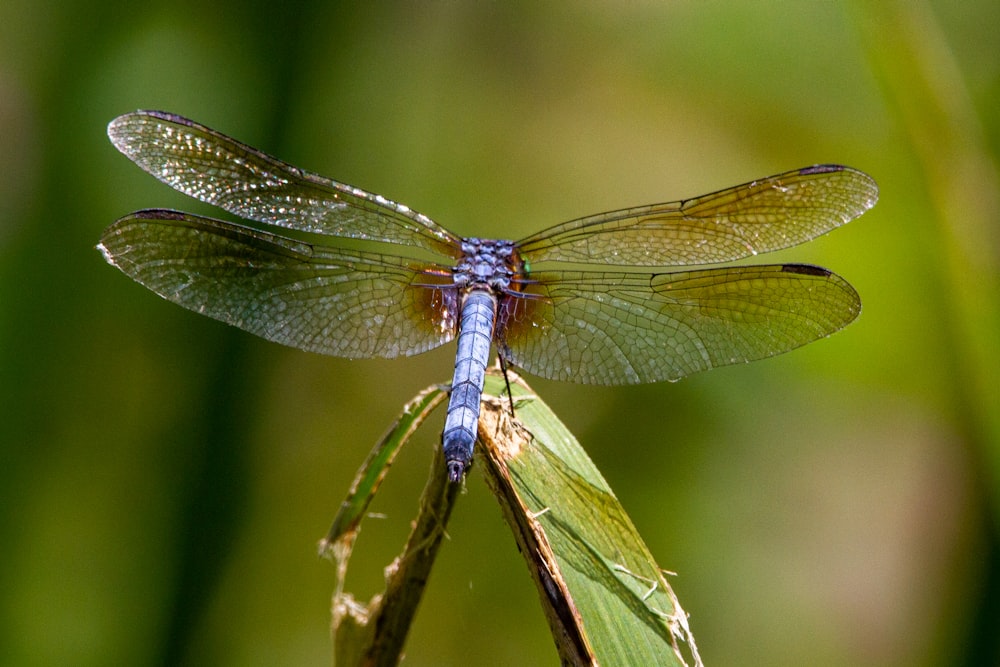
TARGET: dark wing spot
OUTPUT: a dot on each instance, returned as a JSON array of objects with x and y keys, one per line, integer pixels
[
  {"x": 805, "y": 269},
  {"x": 821, "y": 169},
  {"x": 158, "y": 214}
]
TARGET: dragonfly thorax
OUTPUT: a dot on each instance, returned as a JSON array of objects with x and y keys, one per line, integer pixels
[{"x": 486, "y": 263}]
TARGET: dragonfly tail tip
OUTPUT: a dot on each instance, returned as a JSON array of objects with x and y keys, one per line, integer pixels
[{"x": 456, "y": 470}]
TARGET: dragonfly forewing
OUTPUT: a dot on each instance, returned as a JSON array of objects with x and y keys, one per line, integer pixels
[
  {"x": 757, "y": 217},
  {"x": 219, "y": 170}
]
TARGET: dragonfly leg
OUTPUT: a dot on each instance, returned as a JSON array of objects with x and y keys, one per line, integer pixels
[{"x": 506, "y": 380}]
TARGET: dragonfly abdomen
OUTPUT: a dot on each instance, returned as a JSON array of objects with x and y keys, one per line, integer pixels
[{"x": 474, "y": 337}]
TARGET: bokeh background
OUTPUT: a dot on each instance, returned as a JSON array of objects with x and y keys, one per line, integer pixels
[{"x": 164, "y": 479}]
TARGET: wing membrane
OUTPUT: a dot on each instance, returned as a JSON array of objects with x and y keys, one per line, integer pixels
[
  {"x": 338, "y": 302},
  {"x": 764, "y": 215},
  {"x": 628, "y": 328},
  {"x": 216, "y": 169}
]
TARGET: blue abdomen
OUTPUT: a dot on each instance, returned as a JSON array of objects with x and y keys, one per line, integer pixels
[{"x": 475, "y": 335}]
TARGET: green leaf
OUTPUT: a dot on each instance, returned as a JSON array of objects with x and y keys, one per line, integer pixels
[
  {"x": 606, "y": 599},
  {"x": 374, "y": 633}
]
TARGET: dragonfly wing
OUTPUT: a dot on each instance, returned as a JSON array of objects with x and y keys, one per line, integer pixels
[
  {"x": 216, "y": 169},
  {"x": 338, "y": 302},
  {"x": 768, "y": 214},
  {"x": 627, "y": 328}
]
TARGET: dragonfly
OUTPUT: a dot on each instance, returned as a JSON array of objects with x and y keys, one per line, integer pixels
[{"x": 597, "y": 300}]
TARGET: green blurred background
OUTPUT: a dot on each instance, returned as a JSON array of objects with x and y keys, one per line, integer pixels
[{"x": 164, "y": 479}]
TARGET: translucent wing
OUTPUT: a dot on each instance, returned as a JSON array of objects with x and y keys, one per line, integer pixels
[
  {"x": 216, "y": 169},
  {"x": 338, "y": 302},
  {"x": 626, "y": 328},
  {"x": 757, "y": 217}
]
